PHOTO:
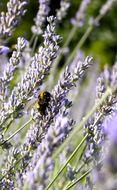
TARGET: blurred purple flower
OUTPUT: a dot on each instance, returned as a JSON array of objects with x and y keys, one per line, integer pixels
[
  {"x": 111, "y": 131},
  {"x": 110, "y": 127},
  {"x": 4, "y": 50}
]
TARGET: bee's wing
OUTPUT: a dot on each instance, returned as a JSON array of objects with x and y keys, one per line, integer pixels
[{"x": 30, "y": 105}]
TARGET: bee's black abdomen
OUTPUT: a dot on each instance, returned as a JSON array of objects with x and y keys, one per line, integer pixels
[{"x": 43, "y": 102}]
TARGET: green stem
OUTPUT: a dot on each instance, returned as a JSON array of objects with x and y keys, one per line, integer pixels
[
  {"x": 71, "y": 35},
  {"x": 71, "y": 156},
  {"x": 79, "y": 179},
  {"x": 16, "y": 132},
  {"x": 5, "y": 120},
  {"x": 34, "y": 45},
  {"x": 75, "y": 131},
  {"x": 82, "y": 40},
  {"x": 7, "y": 127},
  {"x": 79, "y": 169},
  {"x": 79, "y": 45},
  {"x": 31, "y": 40},
  {"x": 69, "y": 159},
  {"x": 69, "y": 38},
  {"x": 95, "y": 123},
  {"x": 84, "y": 120}
]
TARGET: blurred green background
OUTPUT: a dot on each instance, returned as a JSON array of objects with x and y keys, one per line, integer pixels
[{"x": 102, "y": 43}]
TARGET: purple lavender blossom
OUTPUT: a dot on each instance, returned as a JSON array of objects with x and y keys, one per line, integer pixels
[
  {"x": 36, "y": 72},
  {"x": 41, "y": 17},
  {"x": 107, "y": 6},
  {"x": 10, "y": 19},
  {"x": 80, "y": 15},
  {"x": 11, "y": 67},
  {"x": 62, "y": 11},
  {"x": 42, "y": 162},
  {"x": 28, "y": 161},
  {"x": 4, "y": 50},
  {"x": 106, "y": 177},
  {"x": 110, "y": 127},
  {"x": 111, "y": 132}
]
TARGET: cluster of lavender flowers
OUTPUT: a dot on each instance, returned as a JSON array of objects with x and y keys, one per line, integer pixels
[{"x": 36, "y": 133}]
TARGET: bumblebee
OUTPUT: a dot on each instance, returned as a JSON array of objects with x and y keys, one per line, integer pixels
[{"x": 43, "y": 102}]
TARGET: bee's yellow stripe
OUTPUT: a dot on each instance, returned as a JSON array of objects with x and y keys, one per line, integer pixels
[
  {"x": 41, "y": 95},
  {"x": 37, "y": 105}
]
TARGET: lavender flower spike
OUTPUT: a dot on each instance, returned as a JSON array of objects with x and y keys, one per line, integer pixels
[
  {"x": 12, "y": 66},
  {"x": 41, "y": 17},
  {"x": 9, "y": 20},
  {"x": 107, "y": 6},
  {"x": 64, "y": 6},
  {"x": 43, "y": 158},
  {"x": 58, "y": 103},
  {"x": 80, "y": 14},
  {"x": 107, "y": 177},
  {"x": 35, "y": 74}
]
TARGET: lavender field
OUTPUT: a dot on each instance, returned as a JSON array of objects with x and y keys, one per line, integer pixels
[{"x": 58, "y": 95}]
